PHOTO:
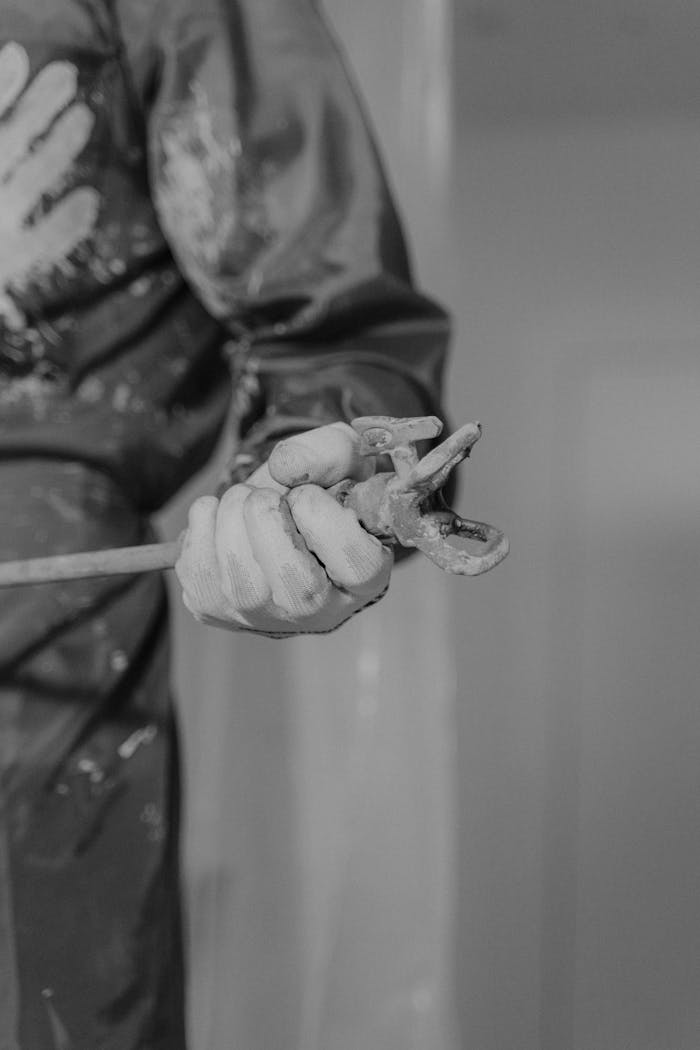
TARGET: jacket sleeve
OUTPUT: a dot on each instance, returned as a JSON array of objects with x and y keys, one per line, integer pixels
[{"x": 270, "y": 191}]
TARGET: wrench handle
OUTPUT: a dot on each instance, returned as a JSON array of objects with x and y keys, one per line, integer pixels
[
  {"x": 148, "y": 557},
  {"x": 116, "y": 561}
]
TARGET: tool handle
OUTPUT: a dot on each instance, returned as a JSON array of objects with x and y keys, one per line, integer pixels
[
  {"x": 123, "y": 561},
  {"x": 113, "y": 562}
]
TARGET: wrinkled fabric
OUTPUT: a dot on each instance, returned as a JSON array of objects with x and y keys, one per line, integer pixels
[
  {"x": 191, "y": 208},
  {"x": 208, "y": 174},
  {"x": 89, "y": 894}
]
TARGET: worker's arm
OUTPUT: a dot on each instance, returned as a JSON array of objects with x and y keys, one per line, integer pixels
[{"x": 269, "y": 188}]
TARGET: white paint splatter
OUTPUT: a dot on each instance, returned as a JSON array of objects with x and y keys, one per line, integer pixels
[
  {"x": 63, "y": 507},
  {"x": 91, "y": 390},
  {"x": 27, "y": 391},
  {"x": 43, "y": 129},
  {"x": 141, "y": 286},
  {"x": 138, "y": 738},
  {"x": 199, "y": 171},
  {"x": 92, "y": 770},
  {"x": 119, "y": 661}
]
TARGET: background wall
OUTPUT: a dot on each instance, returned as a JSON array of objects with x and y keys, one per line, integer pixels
[{"x": 577, "y": 254}]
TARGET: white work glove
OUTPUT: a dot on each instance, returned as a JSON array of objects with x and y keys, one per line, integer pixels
[{"x": 278, "y": 555}]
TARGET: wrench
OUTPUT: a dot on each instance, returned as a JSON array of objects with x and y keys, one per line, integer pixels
[{"x": 403, "y": 506}]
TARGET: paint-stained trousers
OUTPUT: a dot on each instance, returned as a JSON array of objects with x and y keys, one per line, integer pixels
[{"x": 90, "y": 947}]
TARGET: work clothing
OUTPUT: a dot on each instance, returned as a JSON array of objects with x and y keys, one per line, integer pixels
[{"x": 188, "y": 193}]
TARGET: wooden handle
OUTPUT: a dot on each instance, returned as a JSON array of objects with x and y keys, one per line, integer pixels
[{"x": 114, "y": 562}]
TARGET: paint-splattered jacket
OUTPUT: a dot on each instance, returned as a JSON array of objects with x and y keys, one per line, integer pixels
[{"x": 188, "y": 190}]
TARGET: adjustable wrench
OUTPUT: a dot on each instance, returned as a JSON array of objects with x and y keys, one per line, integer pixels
[{"x": 403, "y": 506}]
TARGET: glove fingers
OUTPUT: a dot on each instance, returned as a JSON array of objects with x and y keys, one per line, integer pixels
[
  {"x": 261, "y": 478},
  {"x": 352, "y": 558},
  {"x": 322, "y": 456},
  {"x": 197, "y": 568},
  {"x": 223, "y": 586},
  {"x": 242, "y": 580},
  {"x": 300, "y": 587}
]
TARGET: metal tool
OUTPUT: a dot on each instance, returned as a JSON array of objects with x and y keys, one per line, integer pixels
[{"x": 404, "y": 506}]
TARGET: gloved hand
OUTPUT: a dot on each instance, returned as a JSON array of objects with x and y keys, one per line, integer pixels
[{"x": 278, "y": 555}]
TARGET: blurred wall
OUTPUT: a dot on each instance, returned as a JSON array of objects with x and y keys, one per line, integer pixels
[{"x": 577, "y": 255}]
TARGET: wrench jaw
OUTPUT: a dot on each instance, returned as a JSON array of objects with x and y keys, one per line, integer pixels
[
  {"x": 441, "y": 534},
  {"x": 432, "y": 471},
  {"x": 434, "y": 542},
  {"x": 403, "y": 506}
]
